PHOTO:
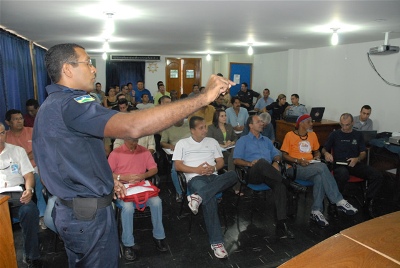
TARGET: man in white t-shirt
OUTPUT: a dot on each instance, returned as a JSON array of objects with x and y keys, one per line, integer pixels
[{"x": 200, "y": 157}]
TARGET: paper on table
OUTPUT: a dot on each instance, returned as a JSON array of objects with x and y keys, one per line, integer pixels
[
  {"x": 11, "y": 189},
  {"x": 315, "y": 161},
  {"x": 168, "y": 151}
]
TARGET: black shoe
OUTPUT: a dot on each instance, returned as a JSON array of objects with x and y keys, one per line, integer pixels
[
  {"x": 332, "y": 211},
  {"x": 297, "y": 187},
  {"x": 129, "y": 254},
  {"x": 283, "y": 231},
  {"x": 34, "y": 263},
  {"x": 160, "y": 245}
]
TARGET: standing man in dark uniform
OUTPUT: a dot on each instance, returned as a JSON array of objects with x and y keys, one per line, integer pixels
[
  {"x": 69, "y": 151},
  {"x": 246, "y": 97}
]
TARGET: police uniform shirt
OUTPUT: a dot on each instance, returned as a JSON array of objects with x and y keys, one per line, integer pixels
[
  {"x": 247, "y": 96},
  {"x": 68, "y": 144}
]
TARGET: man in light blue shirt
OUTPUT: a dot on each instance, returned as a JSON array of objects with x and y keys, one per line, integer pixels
[
  {"x": 296, "y": 109},
  {"x": 264, "y": 101},
  {"x": 236, "y": 115}
]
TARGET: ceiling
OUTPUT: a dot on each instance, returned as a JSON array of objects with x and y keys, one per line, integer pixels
[{"x": 200, "y": 27}]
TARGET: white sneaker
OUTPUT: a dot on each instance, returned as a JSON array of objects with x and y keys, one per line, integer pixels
[
  {"x": 194, "y": 202},
  {"x": 319, "y": 218},
  {"x": 219, "y": 251},
  {"x": 42, "y": 224},
  {"x": 346, "y": 207}
]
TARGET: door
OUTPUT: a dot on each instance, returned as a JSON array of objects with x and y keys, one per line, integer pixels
[
  {"x": 182, "y": 74},
  {"x": 240, "y": 73}
]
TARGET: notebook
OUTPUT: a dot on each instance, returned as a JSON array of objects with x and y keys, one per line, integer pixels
[
  {"x": 317, "y": 113},
  {"x": 368, "y": 135}
]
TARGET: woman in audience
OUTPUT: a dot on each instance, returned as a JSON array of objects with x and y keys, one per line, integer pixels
[
  {"x": 277, "y": 108},
  {"x": 226, "y": 137},
  {"x": 110, "y": 101}
]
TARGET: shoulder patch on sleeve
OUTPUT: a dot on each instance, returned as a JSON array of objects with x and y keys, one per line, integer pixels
[{"x": 84, "y": 99}]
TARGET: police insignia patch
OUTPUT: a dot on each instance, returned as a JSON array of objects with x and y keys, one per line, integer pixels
[{"x": 84, "y": 99}]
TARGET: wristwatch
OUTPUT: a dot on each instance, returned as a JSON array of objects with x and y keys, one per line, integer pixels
[
  {"x": 215, "y": 168},
  {"x": 277, "y": 161},
  {"x": 32, "y": 190},
  {"x": 118, "y": 177}
]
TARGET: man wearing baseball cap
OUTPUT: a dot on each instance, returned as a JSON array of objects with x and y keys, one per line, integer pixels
[{"x": 300, "y": 148}]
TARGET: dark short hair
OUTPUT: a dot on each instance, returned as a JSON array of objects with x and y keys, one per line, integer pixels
[
  {"x": 123, "y": 101},
  {"x": 139, "y": 81},
  {"x": 234, "y": 98},
  {"x": 56, "y": 56},
  {"x": 163, "y": 98},
  {"x": 32, "y": 102},
  {"x": 267, "y": 89},
  {"x": 129, "y": 83},
  {"x": 9, "y": 113},
  {"x": 245, "y": 84},
  {"x": 195, "y": 85},
  {"x": 98, "y": 83},
  {"x": 145, "y": 94},
  {"x": 250, "y": 120},
  {"x": 183, "y": 96},
  {"x": 216, "y": 117},
  {"x": 219, "y": 74},
  {"x": 366, "y": 106},
  {"x": 296, "y": 96},
  {"x": 193, "y": 120}
]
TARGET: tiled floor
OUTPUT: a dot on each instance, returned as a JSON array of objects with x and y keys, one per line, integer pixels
[{"x": 249, "y": 233}]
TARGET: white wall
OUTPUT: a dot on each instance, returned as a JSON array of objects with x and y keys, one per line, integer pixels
[{"x": 339, "y": 78}]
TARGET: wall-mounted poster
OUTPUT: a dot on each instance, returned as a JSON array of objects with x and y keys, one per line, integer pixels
[
  {"x": 236, "y": 79},
  {"x": 173, "y": 74}
]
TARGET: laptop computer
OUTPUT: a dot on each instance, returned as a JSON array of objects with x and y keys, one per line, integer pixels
[
  {"x": 368, "y": 135},
  {"x": 317, "y": 113},
  {"x": 291, "y": 118}
]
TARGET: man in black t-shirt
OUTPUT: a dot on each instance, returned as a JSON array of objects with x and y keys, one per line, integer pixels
[{"x": 246, "y": 97}]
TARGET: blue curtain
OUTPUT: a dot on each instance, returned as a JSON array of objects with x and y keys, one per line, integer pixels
[
  {"x": 16, "y": 81},
  {"x": 41, "y": 74},
  {"x": 123, "y": 72}
]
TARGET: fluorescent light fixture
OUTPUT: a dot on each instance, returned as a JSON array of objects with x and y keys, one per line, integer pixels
[
  {"x": 208, "y": 57},
  {"x": 104, "y": 56},
  {"x": 106, "y": 46},
  {"x": 335, "y": 37}
]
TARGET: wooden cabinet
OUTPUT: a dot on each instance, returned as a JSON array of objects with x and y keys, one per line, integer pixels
[{"x": 7, "y": 251}]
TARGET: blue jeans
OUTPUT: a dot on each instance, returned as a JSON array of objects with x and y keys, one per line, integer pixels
[
  {"x": 127, "y": 212},
  {"x": 324, "y": 184},
  {"x": 41, "y": 203},
  {"x": 92, "y": 243},
  {"x": 48, "y": 219},
  {"x": 175, "y": 181},
  {"x": 207, "y": 187}
]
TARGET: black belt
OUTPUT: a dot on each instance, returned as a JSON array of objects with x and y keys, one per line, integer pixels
[{"x": 102, "y": 202}]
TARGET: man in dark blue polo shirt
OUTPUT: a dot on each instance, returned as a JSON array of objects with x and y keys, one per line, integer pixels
[
  {"x": 69, "y": 151},
  {"x": 246, "y": 97}
]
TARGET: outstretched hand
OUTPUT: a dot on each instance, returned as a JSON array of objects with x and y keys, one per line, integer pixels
[{"x": 217, "y": 85}]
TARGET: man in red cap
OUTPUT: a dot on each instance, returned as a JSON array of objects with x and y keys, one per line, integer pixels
[{"x": 301, "y": 148}]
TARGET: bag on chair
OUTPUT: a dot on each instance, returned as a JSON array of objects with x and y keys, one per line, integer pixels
[{"x": 139, "y": 193}]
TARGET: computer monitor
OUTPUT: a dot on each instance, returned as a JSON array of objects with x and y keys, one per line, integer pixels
[
  {"x": 368, "y": 135},
  {"x": 317, "y": 113}
]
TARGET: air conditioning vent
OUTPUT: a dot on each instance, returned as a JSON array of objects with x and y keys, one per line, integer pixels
[{"x": 135, "y": 57}]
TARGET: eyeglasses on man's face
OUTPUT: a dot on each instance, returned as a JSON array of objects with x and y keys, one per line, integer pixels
[{"x": 88, "y": 62}]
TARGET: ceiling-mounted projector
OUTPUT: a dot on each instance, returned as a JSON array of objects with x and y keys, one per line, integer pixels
[{"x": 384, "y": 49}]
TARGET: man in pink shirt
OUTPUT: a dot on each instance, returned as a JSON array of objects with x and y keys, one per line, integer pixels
[
  {"x": 22, "y": 136},
  {"x": 132, "y": 163}
]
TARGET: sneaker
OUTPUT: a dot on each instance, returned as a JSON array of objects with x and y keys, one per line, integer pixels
[
  {"x": 129, "y": 254},
  {"x": 42, "y": 224},
  {"x": 319, "y": 218},
  {"x": 178, "y": 198},
  {"x": 194, "y": 203},
  {"x": 219, "y": 251},
  {"x": 346, "y": 207}
]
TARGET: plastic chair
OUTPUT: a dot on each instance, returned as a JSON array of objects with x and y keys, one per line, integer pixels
[{"x": 186, "y": 192}]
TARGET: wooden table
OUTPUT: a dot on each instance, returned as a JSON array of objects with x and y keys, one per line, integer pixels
[
  {"x": 7, "y": 250},
  {"x": 322, "y": 129},
  {"x": 374, "y": 243}
]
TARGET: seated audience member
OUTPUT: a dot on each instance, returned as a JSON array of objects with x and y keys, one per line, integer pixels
[
  {"x": 110, "y": 101},
  {"x": 200, "y": 157},
  {"x": 117, "y": 89},
  {"x": 219, "y": 103},
  {"x": 169, "y": 138},
  {"x": 160, "y": 93},
  {"x": 32, "y": 107},
  {"x": 362, "y": 121},
  {"x": 123, "y": 105},
  {"x": 22, "y": 136},
  {"x": 259, "y": 154},
  {"x": 347, "y": 146},
  {"x": 15, "y": 169},
  {"x": 300, "y": 147},
  {"x": 246, "y": 97},
  {"x": 139, "y": 91},
  {"x": 267, "y": 131},
  {"x": 128, "y": 97},
  {"x": 264, "y": 101},
  {"x": 132, "y": 163},
  {"x": 174, "y": 95},
  {"x": 195, "y": 91},
  {"x": 201, "y": 89},
  {"x": 277, "y": 109},
  {"x": 183, "y": 96},
  {"x": 107, "y": 145},
  {"x": 164, "y": 100},
  {"x": 236, "y": 115},
  {"x": 206, "y": 112},
  {"x": 100, "y": 93},
  {"x": 295, "y": 109},
  {"x": 147, "y": 142},
  {"x": 145, "y": 104}
]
